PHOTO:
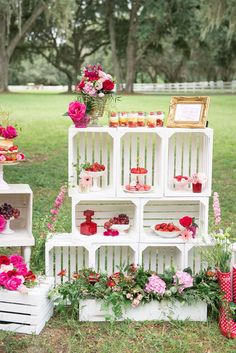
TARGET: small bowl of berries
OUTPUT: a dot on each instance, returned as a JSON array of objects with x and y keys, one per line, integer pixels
[
  {"x": 180, "y": 182},
  {"x": 120, "y": 223},
  {"x": 166, "y": 230},
  {"x": 95, "y": 170}
]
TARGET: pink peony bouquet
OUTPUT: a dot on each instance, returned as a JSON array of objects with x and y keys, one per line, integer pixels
[
  {"x": 14, "y": 274},
  {"x": 94, "y": 90}
]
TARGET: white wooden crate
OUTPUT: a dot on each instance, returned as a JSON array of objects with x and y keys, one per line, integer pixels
[
  {"x": 111, "y": 257},
  {"x": 90, "y": 310},
  {"x": 168, "y": 210},
  {"x": 193, "y": 255},
  {"x": 19, "y": 196},
  {"x": 147, "y": 146},
  {"x": 64, "y": 251},
  {"x": 26, "y": 313},
  {"x": 104, "y": 210},
  {"x": 92, "y": 145},
  {"x": 188, "y": 151},
  {"x": 160, "y": 257}
]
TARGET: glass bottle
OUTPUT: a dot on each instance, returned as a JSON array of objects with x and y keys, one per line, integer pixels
[
  {"x": 160, "y": 119},
  {"x": 133, "y": 119},
  {"x": 123, "y": 119},
  {"x": 141, "y": 119},
  {"x": 151, "y": 119},
  {"x": 88, "y": 227}
]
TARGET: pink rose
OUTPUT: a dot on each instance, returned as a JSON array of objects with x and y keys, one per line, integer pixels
[
  {"x": 2, "y": 158},
  {"x": 22, "y": 269},
  {"x": 77, "y": 112},
  {"x": 3, "y": 223},
  {"x": 20, "y": 156},
  {"x": 9, "y": 133},
  {"x": 16, "y": 260},
  {"x": 3, "y": 278},
  {"x": 13, "y": 283}
]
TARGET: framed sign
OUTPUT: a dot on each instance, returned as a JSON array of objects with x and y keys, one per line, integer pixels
[{"x": 188, "y": 112}]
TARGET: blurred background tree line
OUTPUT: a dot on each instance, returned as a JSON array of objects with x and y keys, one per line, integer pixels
[{"x": 48, "y": 42}]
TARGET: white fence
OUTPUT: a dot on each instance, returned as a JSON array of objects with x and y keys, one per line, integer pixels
[{"x": 218, "y": 86}]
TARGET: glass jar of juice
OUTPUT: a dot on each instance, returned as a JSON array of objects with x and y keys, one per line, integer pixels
[
  {"x": 151, "y": 119},
  {"x": 133, "y": 119},
  {"x": 114, "y": 120},
  {"x": 141, "y": 119},
  {"x": 123, "y": 119},
  {"x": 160, "y": 119}
]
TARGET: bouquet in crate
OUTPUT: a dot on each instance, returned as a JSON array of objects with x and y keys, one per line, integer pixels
[
  {"x": 14, "y": 274},
  {"x": 94, "y": 91}
]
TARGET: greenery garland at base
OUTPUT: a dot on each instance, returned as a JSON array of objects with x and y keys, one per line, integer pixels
[{"x": 134, "y": 285}]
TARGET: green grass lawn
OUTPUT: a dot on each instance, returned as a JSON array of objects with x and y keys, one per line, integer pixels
[{"x": 44, "y": 140}]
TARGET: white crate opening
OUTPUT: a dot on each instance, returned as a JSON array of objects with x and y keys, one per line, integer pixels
[
  {"x": 160, "y": 258},
  {"x": 188, "y": 153},
  {"x": 143, "y": 149},
  {"x": 111, "y": 258},
  {"x": 103, "y": 211},
  {"x": 195, "y": 258},
  {"x": 92, "y": 146},
  {"x": 22, "y": 226},
  {"x": 72, "y": 259},
  {"x": 170, "y": 211}
]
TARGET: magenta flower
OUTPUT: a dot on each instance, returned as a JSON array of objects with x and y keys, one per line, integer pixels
[
  {"x": 77, "y": 112},
  {"x": 183, "y": 280},
  {"x": 13, "y": 283},
  {"x": 9, "y": 133},
  {"x": 156, "y": 285},
  {"x": 3, "y": 223},
  {"x": 22, "y": 269},
  {"x": 216, "y": 208},
  {"x": 16, "y": 260},
  {"x": 3, "y": 278}
]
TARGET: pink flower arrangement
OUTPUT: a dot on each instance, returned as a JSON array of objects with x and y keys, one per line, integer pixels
[
  {"x": 9, "y": 132},
  {"x": 85, "y": 180},
  {"x": 186, "y": 234},
  {"x": 190, "y": 227},
  {"x": 156, "y": 285},
  {"x": 14, "y": 273},
  {"x": 216, "y": 208},
  {"x": 183, "y": 280},
  {"x": 55, "y": 210}
]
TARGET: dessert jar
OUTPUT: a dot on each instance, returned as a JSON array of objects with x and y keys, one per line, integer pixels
[
  {"x": 133, "y": 119},
  {"x": 123, "y": 119},
  {"x": 114, "y": 120},
  {"x": 151, "y": 120}
]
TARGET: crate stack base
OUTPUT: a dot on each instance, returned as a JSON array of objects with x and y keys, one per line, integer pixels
[
  {"x": 26, "y": 313},
  {"x": 164, "y": 152}
]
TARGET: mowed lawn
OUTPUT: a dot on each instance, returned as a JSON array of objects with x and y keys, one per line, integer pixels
[{"x": 43, "y": 138}]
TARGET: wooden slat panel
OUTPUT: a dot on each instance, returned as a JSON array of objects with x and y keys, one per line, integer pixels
[{"x": 178, "y": 157}]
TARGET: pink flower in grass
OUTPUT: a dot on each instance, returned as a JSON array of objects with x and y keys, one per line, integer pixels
[
  {"x": 186, "y": 234},
  {"x": 50, "y": 227},
  {"x": 3, "y": 223},
  {"x": 216, "y": 208},
  {"x": 183, "y": 280},
  {"x": 54, "y": 212},
  {"x": 156, "y": 285},
  {"x": 13, "y": 283}
]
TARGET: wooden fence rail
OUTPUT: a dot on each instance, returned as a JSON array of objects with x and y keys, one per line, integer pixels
[{"x": 176, "y": 87}]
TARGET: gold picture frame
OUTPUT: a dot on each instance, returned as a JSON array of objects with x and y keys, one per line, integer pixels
[{"x": 188, "y": 112}]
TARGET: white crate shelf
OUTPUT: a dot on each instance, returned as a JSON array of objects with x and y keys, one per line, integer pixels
[
  {"x": 26, "y": 313},
  {"x": 168, "y": 210},
  {"x": 147, "y": 146},
  {"x": 19, "y": 196},
  {"x": 187, "y": 152},
  {"x": 90, "y": 310},
  {"x": 110, "y": 258},
  {"x": 194, "y": 258},
  {"x": 104, "y": 210},
  {"x": 92, "y": 145},
  {"x": 161, "y": 257}
]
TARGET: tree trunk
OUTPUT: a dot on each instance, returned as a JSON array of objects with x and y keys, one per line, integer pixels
[
  {"x": 112, "y": 34},
  {"x": 131, "y": 47},
  {"x": 4, "y": 61},
  {"x": 70, "y": 81}
]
